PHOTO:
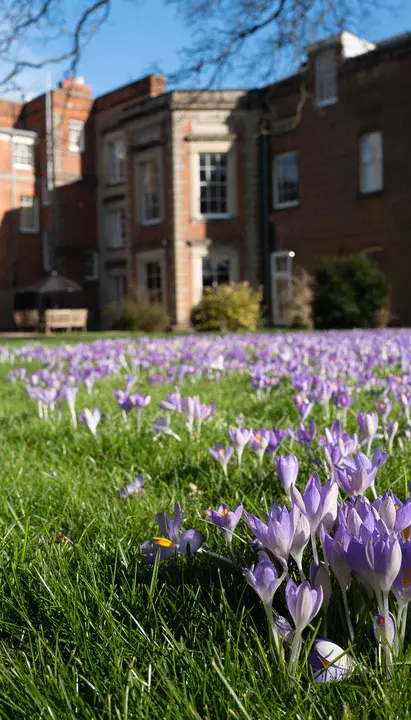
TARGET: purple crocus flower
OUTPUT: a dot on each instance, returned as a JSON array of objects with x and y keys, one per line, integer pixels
[
  {"x": 172, "y": 403},
  {"x": 379, "y": 628},
  {"x": 91, "y": 419},
  {"x": 357, "y": 475},
  {"x": 277, "y": 535},
  {"x": 239, "y": 437},
  {"x": 304, "y": 435},
  {"x": 395, "y": 515},
  {"x": 330, "y": 662},
  {"x": 133, "y": 488},
  {"x": 259, "y": 442},
  {"x": 264, "y": 579},
  {"x": 226, "y": 519},
  {"x": 335, "y": 555},
  {"x": 140, "y": 401},
  {"x": 276, "y": 438},
  {"x": 368, "y": 423},
  {"x": 287, "y": 471},
  {"x": 384, "y": 408},
  {"x": 303, "y": 405},
  {"x": 171, "y": 542},
  {"x": 319, "y": 503},
  {"x": 222, "y": 455},
  {"x": 123, "y": 400},
  {"x": 378, "y": 560},
  {"x": 342, "y": 400},
  {"x": 402, "y": 583},
  {"x": 303, "y": 603}
]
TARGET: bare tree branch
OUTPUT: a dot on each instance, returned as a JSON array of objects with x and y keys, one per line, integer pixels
[
  {"x": 29, "y": 23},
  {"x": 258, "y": 38}
]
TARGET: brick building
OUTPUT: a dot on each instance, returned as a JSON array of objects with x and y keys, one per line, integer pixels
[
  {"x": 174, "y": 191},
  {"x": 339, "y": 177}
]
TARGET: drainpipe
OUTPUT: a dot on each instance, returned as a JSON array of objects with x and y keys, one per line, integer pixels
[
  {"x": 14, "y": 231},
  {"x": 265, "y": 226}
]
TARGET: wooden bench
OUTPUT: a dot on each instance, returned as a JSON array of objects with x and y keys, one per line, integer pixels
[
  {"x": 26, "y": 319},
  {"x": 65, "y": 320}
]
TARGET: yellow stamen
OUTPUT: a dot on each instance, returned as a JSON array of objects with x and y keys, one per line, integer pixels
[
  {"x": 221, "y": 452},
  {"x": 406, "y": 581},
  {"x": 397, "y": 507},
  {"x": 406, "y": 532},
  {"x": 163, "y": 542},
  {"x": 325, "y": 662},
  {"x": 257, "y": 437},
  {"x": 224, "y": 512}
]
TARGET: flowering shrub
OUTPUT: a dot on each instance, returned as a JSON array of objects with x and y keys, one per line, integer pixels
[{"x": 228, "y": 307}]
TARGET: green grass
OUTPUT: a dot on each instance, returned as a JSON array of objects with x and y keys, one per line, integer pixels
[{"x": 87, "y": 631}]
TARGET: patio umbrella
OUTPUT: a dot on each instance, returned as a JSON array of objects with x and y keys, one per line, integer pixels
[{"x": 53, "y": 284}]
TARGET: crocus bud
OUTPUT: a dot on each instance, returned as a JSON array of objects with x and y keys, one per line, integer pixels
[
  {"x": 303, "y": 603},
  {"x": 264, "y": 579},
  {"x": 287, "y": 471},
  {"x": 380, "y": 633}
]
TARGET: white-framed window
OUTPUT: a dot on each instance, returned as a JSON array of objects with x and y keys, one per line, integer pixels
[
  {"x": 118, "y": 287},
  {"x": 115, "y": 161},
  {"x": 286, "y": 180},
  {"x": 116, "y": 228},
  {"x": 213, "y": 184},
  {"x": 150, "y": 191},
  {"x": 216, "y": 270},
  {"x": 281, "y": 285},
  {"x": 371, "y": 163},
  {"x": 46, "y": 251},
  {"x": 23, "y": 155},
  {"x": 29, "y": 214},
  {"x": 91, "y": 265},
  {"x": 76, "y": 136},
  {"x": 326, "y": 87}
]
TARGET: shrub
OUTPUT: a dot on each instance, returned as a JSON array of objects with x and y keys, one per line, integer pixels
[
  {"x": 299, "y": 314},
  {"x": 137, "y": 312},
  {"x": 349, "y": 292},
  {"x": 228, "y": 307}
]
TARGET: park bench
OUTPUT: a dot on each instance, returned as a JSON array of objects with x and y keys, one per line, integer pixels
[
  {"x": 26, "y": 319},
  {"x": 65, "y": 320}
]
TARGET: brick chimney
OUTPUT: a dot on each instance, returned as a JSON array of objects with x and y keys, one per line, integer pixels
[{"x": 76, "y": 85}]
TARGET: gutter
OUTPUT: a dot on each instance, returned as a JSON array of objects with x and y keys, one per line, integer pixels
[{"x": 265, "y": 227}]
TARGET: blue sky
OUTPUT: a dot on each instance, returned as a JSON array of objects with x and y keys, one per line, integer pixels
[{"x": 141, "y": 34}]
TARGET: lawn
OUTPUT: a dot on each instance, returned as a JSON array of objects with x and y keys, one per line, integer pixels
[{"x": 90, "y": 631}]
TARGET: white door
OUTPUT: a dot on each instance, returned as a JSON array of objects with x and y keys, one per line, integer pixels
[{"x": 281, "y": 285}]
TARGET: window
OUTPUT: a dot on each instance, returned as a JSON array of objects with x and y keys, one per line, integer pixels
[
  {"x": 118, "y": 287},
  {"x": 216, "y": 271},
  {"x": 115, "y": 161},
  {"x": 91, "y": 265},
  {"x": 29, "y": 214},
  {"x": 286, "y": 182},
  {"x": 76, "y": 136},
  {"x": 153, "y": 281},
  {"x": 213, "y": 184},
  {"x": 325, "y": 67},
  {"x": 116, "y": 226},
  {"x": 371, "y": 163},
  {"x": 150, "y": 178},
  {"x": 23, "y": 156}
]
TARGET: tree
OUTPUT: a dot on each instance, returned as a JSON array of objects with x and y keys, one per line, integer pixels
[
  {"x": 261, "y": 39},
  {"x": 37, "y": 33}
]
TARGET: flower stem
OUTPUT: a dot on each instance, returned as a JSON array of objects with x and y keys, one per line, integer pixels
[
  {"x": 388, "y": 638},
  {"x": 347, "y": 614},
  {"x": 295, "y": 653},
  {"x": 314, "y": 547},
  {"x": 403, "y": 624}
]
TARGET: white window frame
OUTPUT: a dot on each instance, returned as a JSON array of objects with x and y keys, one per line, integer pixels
[
  {"x": 118, "y": 278},
  {"x": 326, "y": 71},
  {"x": 115, "y": 160},
  {"x": 23, "y": 142},
  {"x": 152, "y": 256},
  {"x": 24, "y": 226},
  {"x": 94, "y": 257},
  {"x": 198, "y": 253},
  {"x": 142, "y": 165},
  {"x": 76, "y": 130},
  {"x": 197, "y": 148},
  {"x": 276, "y": 274},
  {"x": 371, "y": 145},
  {"x": 116, "y": 228},
  {"x": 288, "y": 203},
  {"x": 210, "y": 214}
]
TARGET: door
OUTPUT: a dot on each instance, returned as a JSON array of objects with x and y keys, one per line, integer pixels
[{"x": 281, "y": 285}]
